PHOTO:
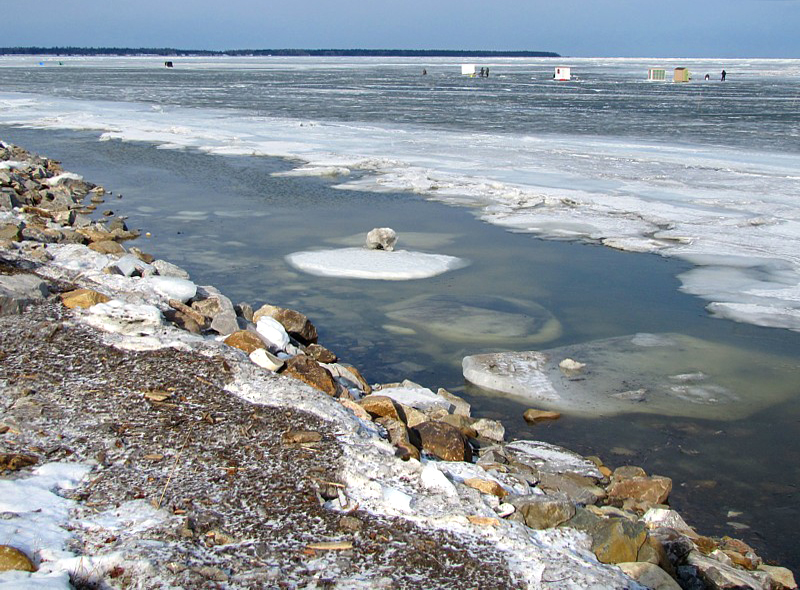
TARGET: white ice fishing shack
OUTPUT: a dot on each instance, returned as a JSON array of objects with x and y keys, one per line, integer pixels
[
  {"x": 468, "y": 70},
  {"x": 562, "y": 74}
]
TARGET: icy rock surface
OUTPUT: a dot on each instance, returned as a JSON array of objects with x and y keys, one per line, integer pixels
[
  {"x": 668, "y": 374},
  {"x": 416, "y": 396},
  {"x": 173, "y": 288},
  {"x": 359, "y": 263}
]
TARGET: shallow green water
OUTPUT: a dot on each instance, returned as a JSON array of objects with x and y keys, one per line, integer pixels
[{"x": 230, "y": 222}]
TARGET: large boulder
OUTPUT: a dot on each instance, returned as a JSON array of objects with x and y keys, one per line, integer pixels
[{"x": 614, "y": 540}]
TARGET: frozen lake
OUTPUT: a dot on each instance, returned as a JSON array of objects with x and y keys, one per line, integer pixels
[{"x": 275, "y": 157}]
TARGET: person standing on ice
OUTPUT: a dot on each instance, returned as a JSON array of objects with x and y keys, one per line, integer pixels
[{"x": 724, "y": 73}]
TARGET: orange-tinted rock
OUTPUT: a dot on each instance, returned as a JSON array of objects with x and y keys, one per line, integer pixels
[
  {"x": 82, "y": 298},
  {"x": 245, "y": 340},
  {"x": 310, "y": 372},
  {"x": 380, "y": 406},
  {"x": 486, "y": 486},
  {"x": 648, "y": 490}
]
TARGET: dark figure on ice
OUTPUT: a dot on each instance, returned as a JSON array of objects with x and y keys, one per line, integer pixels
[
  {"x": 487, "y": 72},
  {"x": 724, "y": 73}
]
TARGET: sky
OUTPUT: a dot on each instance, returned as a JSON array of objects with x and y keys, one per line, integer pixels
[{"x": 581, "y": 28}]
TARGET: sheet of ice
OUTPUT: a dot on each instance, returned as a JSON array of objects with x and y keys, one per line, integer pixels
[
  {"x": 668, "y": 374},
  {"x": 676, "y": 199},
  {"x": 36, "y": 521},
  {"x": 360, "y": 263}
]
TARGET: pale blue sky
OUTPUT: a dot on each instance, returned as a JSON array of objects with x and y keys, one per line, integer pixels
[{"x": 624, "y": 28}]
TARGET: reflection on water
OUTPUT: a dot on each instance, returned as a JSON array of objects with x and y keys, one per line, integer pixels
[{"x": 230, "y": 222}]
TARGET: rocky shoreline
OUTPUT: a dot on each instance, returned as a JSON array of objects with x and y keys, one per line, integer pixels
[{"x": 397, "y": 483}]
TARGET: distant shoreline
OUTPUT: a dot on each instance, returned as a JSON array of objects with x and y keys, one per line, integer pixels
[{"x": 171, "y": 52}]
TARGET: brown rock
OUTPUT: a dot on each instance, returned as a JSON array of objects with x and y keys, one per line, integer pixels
[
  {"x": 579, "y": 489},
  {"x": 245, "y": 340},
  {"x": 627, "y": 472},
  {"x": 320, "y": 354},
  {"x": 310, "y": 372},
  {"x": 82, "y": 298},
  {"x": 295, "y": 323},
  {"x": 400, "y": 437},
  {"x": 107, "y": 247},
  {"x": 10, "y": 231},
  {"x": 355, "y": 408},
  {"x": 380, "y": 406},
  {"x": 16, "y": 461},
  {"x": 532, "y": 416},
  {"x": 463, "y": 423},
  {"x": 483, "y": 520},
  {"x": 12, "y": 558},
  {"x": 294, "y": 437},
  {"x": 444, "y": 441},
  {"x": 544, "y": 513},
  {"x": 648, "y": 490},
  {"x": 486, "y": 486},
  {"x": 614, "y": 540}
]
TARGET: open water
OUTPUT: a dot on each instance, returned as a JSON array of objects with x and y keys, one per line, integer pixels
[{"x": 200, "y": 154}]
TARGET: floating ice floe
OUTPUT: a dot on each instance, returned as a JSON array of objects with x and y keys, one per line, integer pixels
[
  {"x": 359, "y": 263},
  {"x": 668, "y": 374},
  {"x": 478, "y": 319}
]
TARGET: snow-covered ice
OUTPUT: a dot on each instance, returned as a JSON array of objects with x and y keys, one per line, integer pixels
[{"x": 360, "y": 263}]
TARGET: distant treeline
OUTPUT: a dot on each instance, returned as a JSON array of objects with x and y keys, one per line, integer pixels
[{"x": 170, "y": 52}]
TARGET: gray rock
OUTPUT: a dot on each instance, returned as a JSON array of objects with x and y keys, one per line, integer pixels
[
  {"x": 720, "y": 576},
  {"x": 548, "y": 458},
  {"x": 130, "y": 265},
  {"x": 167, "y": 269},
  {"x": 542, "y": 512},
  {"x": 214, "y": 305},
  {"x": 19, "y": 291}
]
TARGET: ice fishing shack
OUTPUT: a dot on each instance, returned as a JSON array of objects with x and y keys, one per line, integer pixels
[
  {"x": 562, "y": 74},
  {"x": 681, "y": 75},
  {"x": 656, "y": 75}
]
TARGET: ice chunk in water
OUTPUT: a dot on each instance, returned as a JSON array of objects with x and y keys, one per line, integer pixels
[
  {"x": 669, "y": 374},
  {"x": 359, "y": 263}
]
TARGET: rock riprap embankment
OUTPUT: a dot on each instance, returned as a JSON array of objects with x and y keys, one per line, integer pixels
[{"x": 459, "y": 470}]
